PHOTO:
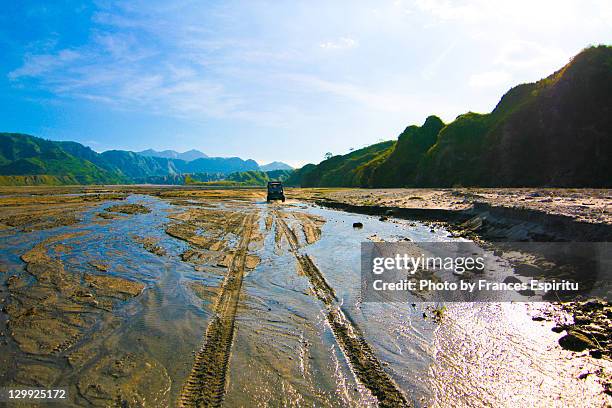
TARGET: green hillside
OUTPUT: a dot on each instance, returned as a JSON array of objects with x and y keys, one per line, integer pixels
[
  {"x": 37, "y": 180},
  {"x": 341, "y": 170},
  {"x": 404, "y": 160},
  {"x": 242, "y": 178},
  {"x": 555, "y": 132},
  {"x": 134, "y": 166},
  {"x": 29, "y": 160},
  {"x": 24, "y": 155}
]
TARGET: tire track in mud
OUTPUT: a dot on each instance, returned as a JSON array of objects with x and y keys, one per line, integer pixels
[
  {"x": 205, "y": 386},
  {"x": 364, "y": 363}
]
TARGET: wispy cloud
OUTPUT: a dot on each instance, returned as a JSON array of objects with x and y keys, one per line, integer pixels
[
  {"x": 447, "y": 10},
  {"x": 524, "y": 54},
  {"x": 375, "y": 99},
  {"x": 340, "y": 44},
  {"x": 520, "y": 18},
  {"x": 163, "y": 59},
  {"x": 320, "y": 71},
  {"x": 36, "y": 65},
  {"x": 119, "y": 70}
]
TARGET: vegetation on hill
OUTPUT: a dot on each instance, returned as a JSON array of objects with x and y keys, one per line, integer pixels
[
  {"x": 404, "y": 159},
  {"x": 555, "y": 132},
  {"x": 37, "y": 180},
  {"x": 224, "y": 165},
  {"x": 244, "y": 178},
  {"x": 135, "y": 166},
  {"x": 171, "y": 154},
  {"x": 29, "y": 158},
  {"x": 346, "y": 170}
]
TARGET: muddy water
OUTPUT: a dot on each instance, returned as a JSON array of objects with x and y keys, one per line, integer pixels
[
  {"x": 483, "y": 354},
  {"x": 159, "y": 329},
  {"x": 284, "y": 351}
]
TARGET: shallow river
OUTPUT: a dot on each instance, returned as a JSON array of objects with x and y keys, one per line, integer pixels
[{"x": 284, "y": 352}]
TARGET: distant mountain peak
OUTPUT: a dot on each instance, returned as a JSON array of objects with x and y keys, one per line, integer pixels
[
  {"x": 275, "y": 165},
  {"x": 192, "y": 154},
  {"x": 189, "y": 155}
]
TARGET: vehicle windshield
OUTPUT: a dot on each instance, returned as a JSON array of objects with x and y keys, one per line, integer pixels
[{"x": 275, "y": 187}]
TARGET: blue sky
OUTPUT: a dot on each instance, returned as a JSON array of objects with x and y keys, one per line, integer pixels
[{"x": 272, "y": 80}]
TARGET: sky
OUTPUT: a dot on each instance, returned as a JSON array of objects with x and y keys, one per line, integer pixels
[{"x": 272, "y": 80}]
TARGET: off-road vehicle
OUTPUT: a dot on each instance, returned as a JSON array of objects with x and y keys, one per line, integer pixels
[{"x": 275, "y": 191}]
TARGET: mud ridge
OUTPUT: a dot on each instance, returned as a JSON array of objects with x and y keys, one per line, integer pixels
[
  {"x": 418, "y": 214},
  {"x": 205, "y": 386},
  {"x": 536, "y": 225},
  {"x": 363, "y": 361}
]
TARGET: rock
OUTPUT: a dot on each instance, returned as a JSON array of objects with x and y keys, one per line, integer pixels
[
  {"x": 514, "y": 279},
  {"x": 473, "y": 224},
  {"x": 357, "y": 225},
  {"x": 583, "y": 376},
  {"x": 576, "y": 341},
  {"x": 383, "y": 218},
  {"x": 128, "y": 209},
  {"x": 511, "y": 279},
  {"x": 558, "y": 329},
  {"x": 594, "y": 305},
  {"x": 596, "y": 353}
]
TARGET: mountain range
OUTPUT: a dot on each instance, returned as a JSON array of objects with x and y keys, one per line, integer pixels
[
  {"x": 172, "y": 154},
  {"x": 26, "y": 159},
  {"x": 554, "y": 132}
]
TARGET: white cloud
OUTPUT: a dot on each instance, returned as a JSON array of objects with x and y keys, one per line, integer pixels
[
  {"x": 523, "y": 54},
  {"x": 341, "y": 43},
  {"x": 118, "y": 70},
  {"x": 40, "y": 64},
  {"x": 447, "y": 10},
  {"x": 379, "y": 99},
  {"x": 539, "y": 15}
]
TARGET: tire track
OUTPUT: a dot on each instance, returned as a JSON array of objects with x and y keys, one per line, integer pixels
[
  {"x": 363, "y": 361},
  {"x": 205, "y": 386}
]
